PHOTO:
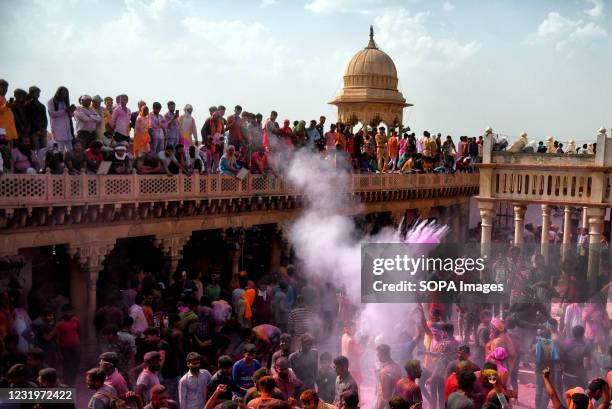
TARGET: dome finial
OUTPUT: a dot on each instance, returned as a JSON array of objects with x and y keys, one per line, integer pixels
[{"x": 371, "y": 43}]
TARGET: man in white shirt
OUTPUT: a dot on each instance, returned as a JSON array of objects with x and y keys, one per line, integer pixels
[
  {"x": 86, "y": 121},
  {"x": 193, "y": 385},
  {"x": 137, "y": 314}
]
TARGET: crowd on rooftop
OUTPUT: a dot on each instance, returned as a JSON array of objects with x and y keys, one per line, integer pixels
[{"x": 151, "y": 140}]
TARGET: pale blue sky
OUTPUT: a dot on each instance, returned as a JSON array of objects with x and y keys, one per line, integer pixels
[{"x": 544, "y": 67}]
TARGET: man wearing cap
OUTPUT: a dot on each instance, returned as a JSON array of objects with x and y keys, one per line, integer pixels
[
  {"x": 108, "y": 363},
  {"x": 148, "y": 377},
  {"x": 87, "y": 120},
  {"x": 193, "y": 386},
  {"x": 243, "y": 369},
  {"x": 120, "y": 162}
]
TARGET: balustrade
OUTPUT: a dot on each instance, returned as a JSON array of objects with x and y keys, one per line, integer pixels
[{"x": 58, "y": 190}]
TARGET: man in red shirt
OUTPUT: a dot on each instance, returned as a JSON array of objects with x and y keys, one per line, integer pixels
[
  {"x": 259, "y": 161},
  {"x": 94, "y": 156},
  {"x": 234, "y": 126}
]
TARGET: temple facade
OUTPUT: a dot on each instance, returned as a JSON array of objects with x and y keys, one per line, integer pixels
[{"x": 370, "y": 93}]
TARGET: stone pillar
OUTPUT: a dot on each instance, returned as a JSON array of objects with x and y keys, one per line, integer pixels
[
  {"x": 235, "y": 262},
  {"x": 78, "y": 297},
  {"x": 545, "y": 231},
  {"x": 275, "y": 253},
  {"x": 424, "y": 212},
  {"x": 172, "y": 247},
  {"x": 595, "y": 219},
  {"x": 455, "y": 224},
  {"x": 519, "y": 220},
  {"x": 90, "y": 257},
  {"x": 585, "y": 219},
  {"x": 486, "y": 226},
  {"x": 567, "y": 232},
  {"x": 397, "y": 217}
]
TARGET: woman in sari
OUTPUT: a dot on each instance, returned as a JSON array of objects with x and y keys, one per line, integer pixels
[
  {"x": 142, "y": 139},
  {"x": 187, "y": 127},
  {"x": 228, "y": 164}
]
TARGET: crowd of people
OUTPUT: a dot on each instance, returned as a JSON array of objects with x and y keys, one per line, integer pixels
[
  {"x": 551, "y": 146},
  {"x": 150, "y": 141},
  {"x": 198, "y": 343},
  {"x": 282, "y": 340}
]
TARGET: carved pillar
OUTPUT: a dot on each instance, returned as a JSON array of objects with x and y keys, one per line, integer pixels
[
  {"x": 585, "y": 218},
  {"x": 275, "y": 251},
  {"x": 236, "y": 263},
  {"x": 486, "y": 227},
  {"x": 519, "y": 219},
  {"x": 424, "y": 212},
  {"x": 545, "y": 237},
  {"x": 172, "y": 247},
  {"x": 90, "y": 257},
  {"x": 595, "y": 219},
  {"x": 397, "y": 217},
  {"x": 567, "y": 233}
]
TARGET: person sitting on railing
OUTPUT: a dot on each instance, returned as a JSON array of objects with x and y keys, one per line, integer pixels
[
  {"x": 169, "y": 162},
  {"x": 24, "y": 159},
  {"x": 259, "y": 162},
  {"x": 54, "y": 161},
  {"x": 120, "y": 162},
  {"x": 75, "y": 160},
  {"x": 241, "y": 157},
  {"x": 193, "y": 161},
  {"x": 228, "y": 164},
  {"x": 149, "y": 164},
  {"x": 94, "y": 156},
  {"x": 427, "y": 164},
  {"x": 462, "y": 164},
  {"x": 181, "y": 158},
  {"x": 586, "y": 149}
]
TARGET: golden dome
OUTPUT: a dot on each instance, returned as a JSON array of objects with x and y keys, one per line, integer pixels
[{"x": 371, "y": 68}]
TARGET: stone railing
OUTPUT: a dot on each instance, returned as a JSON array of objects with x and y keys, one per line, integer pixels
[
  {"x": 548, "y": 178},
  {"x": 22, "y": 191}
]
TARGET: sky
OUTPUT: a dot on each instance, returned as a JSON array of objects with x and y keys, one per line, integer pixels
[{"x": 544, "y": 67}]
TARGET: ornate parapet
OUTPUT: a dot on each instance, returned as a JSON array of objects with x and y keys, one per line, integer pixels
[
  {"x": 39, "y": 201},
  {"x": 545, "y": 178}
]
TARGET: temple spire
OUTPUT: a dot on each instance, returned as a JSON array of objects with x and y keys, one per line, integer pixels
[{"x": 371, "y": 43}]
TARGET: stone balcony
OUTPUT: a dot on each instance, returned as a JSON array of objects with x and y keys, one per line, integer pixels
[
  {"x": 581, "y": 180},
  {"x": 45, "y": 209}
]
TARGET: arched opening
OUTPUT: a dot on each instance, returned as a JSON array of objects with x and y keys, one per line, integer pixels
[{"x": 122, "y": 265}]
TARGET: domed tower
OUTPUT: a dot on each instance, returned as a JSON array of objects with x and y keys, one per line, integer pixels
[{"x": 370, "y": 94}]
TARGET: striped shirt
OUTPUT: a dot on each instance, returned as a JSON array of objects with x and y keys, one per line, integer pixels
[{"x": 300, "y": 321}]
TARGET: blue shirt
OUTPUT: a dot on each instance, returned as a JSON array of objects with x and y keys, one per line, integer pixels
[{"x": 242, "y": 373}]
